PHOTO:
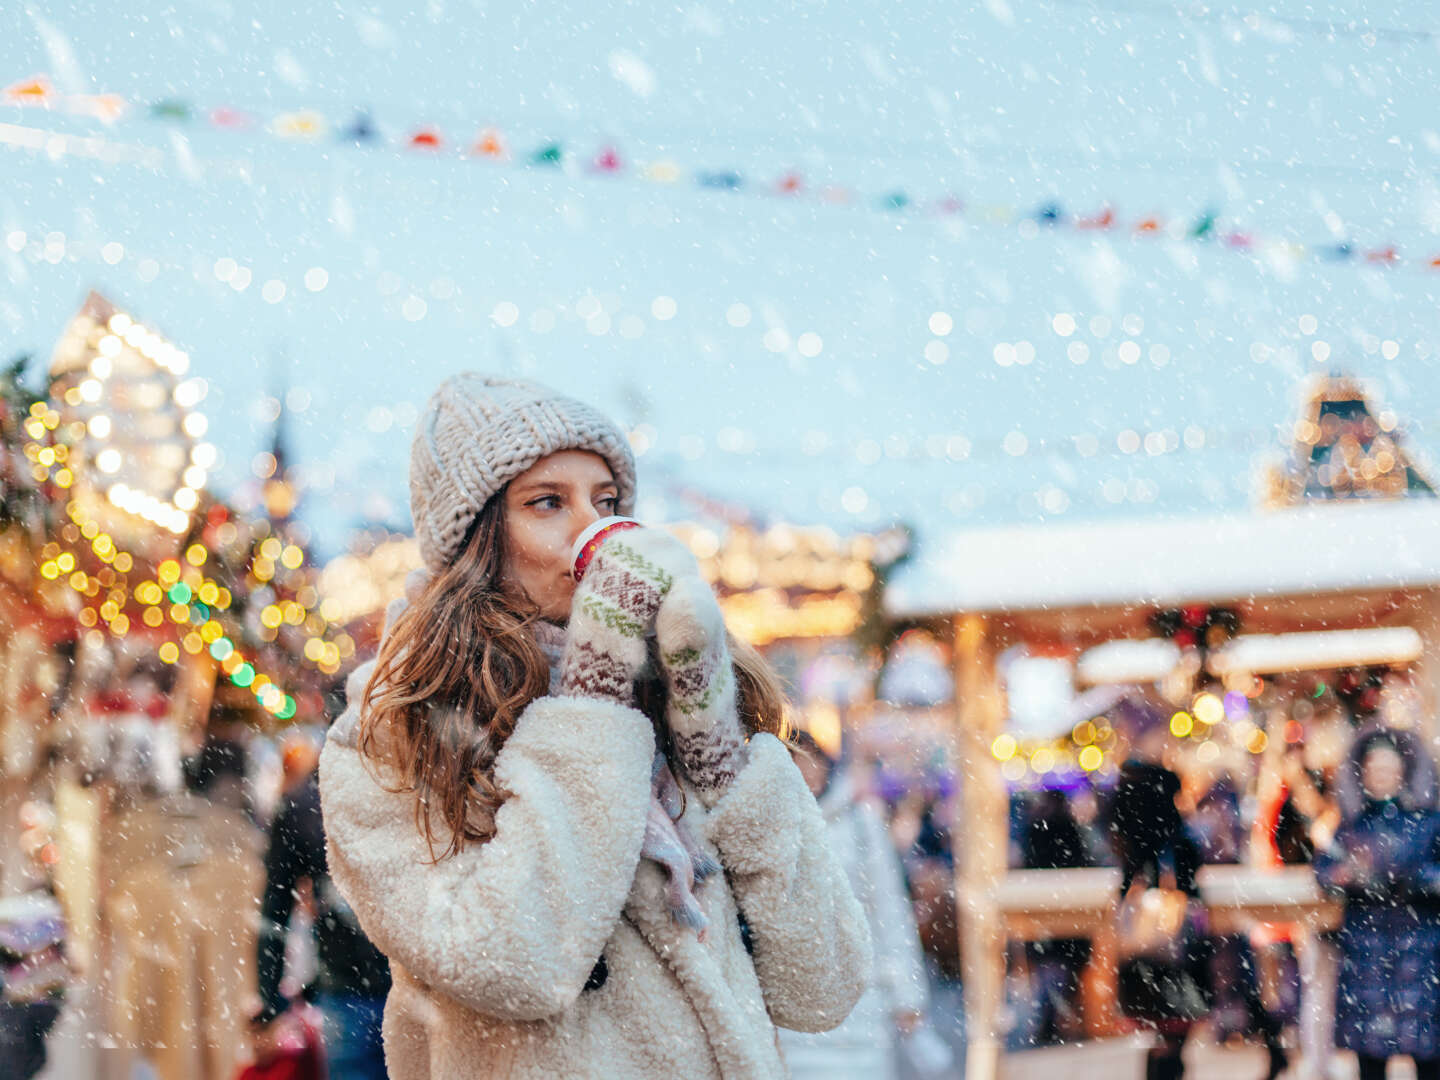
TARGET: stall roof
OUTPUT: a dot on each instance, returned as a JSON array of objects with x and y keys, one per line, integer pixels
[{"x": 1338, "y": 547}]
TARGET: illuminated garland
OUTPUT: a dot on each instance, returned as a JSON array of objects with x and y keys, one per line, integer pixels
[
  {"x": 181, "y": 597},
  {"x": 1090, "y": 745}
]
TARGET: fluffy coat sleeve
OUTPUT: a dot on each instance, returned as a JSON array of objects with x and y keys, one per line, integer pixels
[
  {"x": 811, "y": 941},
  {"x": 899, "y": 963},
  {"x": 510, "y": 928}
]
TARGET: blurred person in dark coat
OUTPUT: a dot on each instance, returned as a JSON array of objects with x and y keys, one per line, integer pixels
[
  {"x": 353, "y": 976},
  {"x": 1158, "y": 856},
  {"x": 1054, "y": 840},
  {"x": 1385, "y": 859}
]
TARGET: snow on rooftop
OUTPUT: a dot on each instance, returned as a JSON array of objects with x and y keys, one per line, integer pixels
[{"x": 1329, "y": 548}]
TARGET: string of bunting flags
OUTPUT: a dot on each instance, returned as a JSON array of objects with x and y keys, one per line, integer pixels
[{"x": 491, "y": 144}]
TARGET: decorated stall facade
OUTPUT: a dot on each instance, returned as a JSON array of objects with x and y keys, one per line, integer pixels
[{"x": 1320, "y": 581}]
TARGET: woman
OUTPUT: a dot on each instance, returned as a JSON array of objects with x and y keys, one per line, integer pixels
[
  {"x": 895, "y": 1004},
  {"x": 522, "y": 807},
  {"x": 1164, "y": 972},
  {"x": 1386, "y": 861}
]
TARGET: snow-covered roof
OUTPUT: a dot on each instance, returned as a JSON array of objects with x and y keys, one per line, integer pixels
[{"x": 1330, "y": 548}]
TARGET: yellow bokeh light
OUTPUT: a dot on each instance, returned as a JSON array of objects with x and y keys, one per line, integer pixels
[
  {"x": 1042, "y": 760},
  {"x": 292, "y": 557},
  {"x": 1209, "y": 709},
  {"x": 1257, "y": 742},
  {"x": 210, "y": 631},
  {"x": 168, "y": 573},
  {"x": 193, "y": 644},
  {"x": 169, "y": 652},
  {"x": 271, "y": 616},
  {"x": 123, "y": 562},
  {"x": 66, "y": 562},
  {"x": 314, "y": 649},
  {"x": 1083, "y": 732},
  {"x": 1181, "y": 724},
  {"x": 270, "y": 548},
  {"x": 208, "y": 593},
  {"x": 1004, "y": 747},
  {"x": 1090, "y": 758},
  {"x": 196, "y": 554},
  {"x": 153, "y": 616}
]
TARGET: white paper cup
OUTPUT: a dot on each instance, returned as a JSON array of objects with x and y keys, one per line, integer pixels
[{"x": 589, "y": 541}]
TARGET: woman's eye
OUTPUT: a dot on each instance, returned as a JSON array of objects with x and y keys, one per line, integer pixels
[
  {"x": 612, "y": 501},
  {"x": 546, "y": 502}
]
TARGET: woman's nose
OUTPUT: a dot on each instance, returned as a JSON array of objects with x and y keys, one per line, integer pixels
[{"x": 583, "y": 519}]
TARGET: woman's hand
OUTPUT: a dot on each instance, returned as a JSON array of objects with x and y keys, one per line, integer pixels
[
  {"x": 613, "y": 609},
  {"x": 701, "y": 704}
]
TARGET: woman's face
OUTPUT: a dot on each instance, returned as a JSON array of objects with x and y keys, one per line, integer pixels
[
  {"x": 547, "y": 507},
  {"x": 1383, "y": 773}
]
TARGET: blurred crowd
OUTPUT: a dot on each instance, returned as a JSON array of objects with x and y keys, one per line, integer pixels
[
  {"x": 195, "y": 986},
  {"x": 1346, "y": 786}
]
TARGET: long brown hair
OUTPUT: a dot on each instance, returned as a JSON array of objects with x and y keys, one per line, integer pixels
[{"x": 457, "y": 669}]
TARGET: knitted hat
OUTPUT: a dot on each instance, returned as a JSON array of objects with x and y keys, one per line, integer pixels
[{"x": 479, "y": 432}]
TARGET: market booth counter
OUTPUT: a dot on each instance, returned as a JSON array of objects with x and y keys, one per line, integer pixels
[
  {"x": 1062, "y": 591},
  {"x": 1042, "y": 905}
]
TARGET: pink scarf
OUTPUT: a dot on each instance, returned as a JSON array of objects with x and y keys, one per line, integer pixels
[{"x": 668, "y": 841}]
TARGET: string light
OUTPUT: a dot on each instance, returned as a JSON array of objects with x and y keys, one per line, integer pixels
[{"x": 180, "y": 594}]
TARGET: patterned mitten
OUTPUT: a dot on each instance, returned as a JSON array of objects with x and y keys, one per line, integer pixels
[
  {"x": 614, "y": 608},
  {"x": 701, "y": 708}
]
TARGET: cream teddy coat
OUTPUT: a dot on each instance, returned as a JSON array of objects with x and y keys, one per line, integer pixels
[{"x": 492, "y": 949}]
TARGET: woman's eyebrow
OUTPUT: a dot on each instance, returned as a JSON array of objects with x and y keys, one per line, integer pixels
[{"x": 535, "y": 486}]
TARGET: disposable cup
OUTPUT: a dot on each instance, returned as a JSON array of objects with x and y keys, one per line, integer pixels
[{"x": 589, "y": 541}]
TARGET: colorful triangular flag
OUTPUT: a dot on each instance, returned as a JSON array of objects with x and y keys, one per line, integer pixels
[
  {"x": 231, "y": 119},
  {"x": 726, "y": 181},
  {"x": 608, "y": 161},
  {"x": 106, "y": 107},
  {"x": 490, "y": 145},
  {"x": 1204, "y": 226},
  {"x": 662, "y": 172},
  {"x": 35, "y": 91},
  {"x": 171, "y": 109},
  {"x": 361, "y": 129},
  {"x": 306, "y": 124},
  {"x": 1050, "y": 213},
  {"x": 1103, "y": 220}
]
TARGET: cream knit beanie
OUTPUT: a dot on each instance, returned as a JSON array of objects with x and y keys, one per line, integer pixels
[{"x": 477, "y": 433}]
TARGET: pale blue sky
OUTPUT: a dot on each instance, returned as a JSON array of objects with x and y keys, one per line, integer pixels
[{"x": 1292, "y": 128}]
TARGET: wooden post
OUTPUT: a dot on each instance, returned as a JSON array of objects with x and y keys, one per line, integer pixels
[{"x": 982, "y": 842}]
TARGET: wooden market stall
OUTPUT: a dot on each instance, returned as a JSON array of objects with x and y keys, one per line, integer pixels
[
  {"x": 1063, "y": 590},
  {"x": 1338, "y": 567}
]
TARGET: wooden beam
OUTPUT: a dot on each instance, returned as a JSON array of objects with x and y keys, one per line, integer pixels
[{"x": 982, "y": 841}]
